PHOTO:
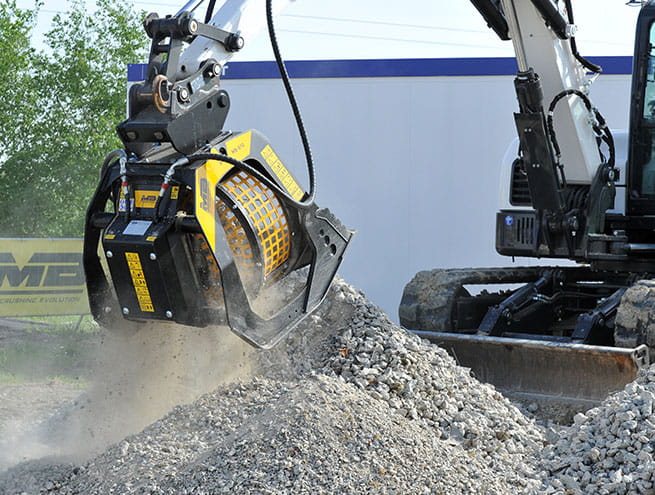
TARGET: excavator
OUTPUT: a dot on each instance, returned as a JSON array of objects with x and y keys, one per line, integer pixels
[
  {"x": 572, "y": 190},
  {"x": 199, "y": 225},
  {"x": 193, "y": 223}
]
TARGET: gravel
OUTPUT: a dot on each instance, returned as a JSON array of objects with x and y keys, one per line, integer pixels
[
  {"x": 609, "y": 449},
  {"x": 351, "y": 403}
]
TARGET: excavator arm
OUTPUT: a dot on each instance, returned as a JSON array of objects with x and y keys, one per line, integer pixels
[
  {"x": 557, "y": 334},
  {"x": 557, "y": 125},
  {"x": 566, "y": 155}
]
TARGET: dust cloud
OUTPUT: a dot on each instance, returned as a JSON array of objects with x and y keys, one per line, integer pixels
[{"x": 138, "y": 376}]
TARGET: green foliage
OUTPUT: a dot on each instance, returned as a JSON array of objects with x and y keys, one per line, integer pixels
[
  {"x": 37, "y": 359},
  {"x": 15, "y": 55},
  {"x": 60, "y": 109}
]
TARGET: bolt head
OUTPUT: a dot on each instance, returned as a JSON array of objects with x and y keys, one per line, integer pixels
[
  {"x": 169, "y": 314},
  {"x": 126, "y": 311},
  {"x": 153, "y": 256},
  {"x": 183, "y": 95},
  {"x": 109, "y": 254}
]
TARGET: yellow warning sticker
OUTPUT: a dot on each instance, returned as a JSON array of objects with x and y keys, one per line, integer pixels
[
  {"x": 282, "y": 173},
  {"x": 207, "y": 176},
  {"x": 145, "y": 199},
  {"x": 239, "y": 147},
  {"x": 139, "y": 282},
  {"x": 175, "y": 192}
]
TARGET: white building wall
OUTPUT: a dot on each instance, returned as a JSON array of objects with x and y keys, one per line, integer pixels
[{"x": 411, "y": 163}]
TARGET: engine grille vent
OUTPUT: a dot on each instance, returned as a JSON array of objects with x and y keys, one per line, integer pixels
[
  {"x": 517, "y": 233},
  {"x": 525, "y": 231},
  {"x": 520, "y": 192}
]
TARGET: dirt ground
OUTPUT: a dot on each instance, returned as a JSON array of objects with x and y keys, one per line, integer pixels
[
  {"x": 23, "y": 408},
  {"x": 72, "y": 394}
]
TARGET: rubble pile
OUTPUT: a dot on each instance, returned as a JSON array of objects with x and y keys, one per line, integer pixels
[
  {"x": 351, "y": 403},
  {"x": 609, "y": 449}
]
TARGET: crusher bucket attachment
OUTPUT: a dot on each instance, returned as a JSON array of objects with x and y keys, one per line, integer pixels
[
  {"x": 200, "y": 225},
  {"x": 224, "y": 239},
  {"x": 527, "y": 341}
]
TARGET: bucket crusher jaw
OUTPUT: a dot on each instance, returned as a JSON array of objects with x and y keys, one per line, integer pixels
[{"x": 197, "y": 225}]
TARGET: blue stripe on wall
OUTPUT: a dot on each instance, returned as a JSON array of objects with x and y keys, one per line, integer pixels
[{"x": 424, "y": 67}]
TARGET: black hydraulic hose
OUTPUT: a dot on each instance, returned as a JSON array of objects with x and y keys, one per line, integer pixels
[
  {"x": 254, "y": 172},
  {"x": 210, "y": 11},
  {"x": 574, "y": 47},
  {"x": 294, "y": 105},
  {"x": 601, "y": 130},
  {"x": 188, "y": 160},
  {"x": 111, "y": 156},
  {"x": 552, "y": 17}
]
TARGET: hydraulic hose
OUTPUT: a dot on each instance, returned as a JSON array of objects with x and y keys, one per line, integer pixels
[
  {"x": 294, "y": 106},
  {"x": 210, "y": 11},
  {"x": 601, "y": 130},
  {"x": 311, "y": 194},
  {"x": 574, "y": 47},
  {"x": 254, "y": 172}
]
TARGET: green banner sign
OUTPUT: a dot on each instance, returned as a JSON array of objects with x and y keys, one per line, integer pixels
[{"x": 42, "y": 277}]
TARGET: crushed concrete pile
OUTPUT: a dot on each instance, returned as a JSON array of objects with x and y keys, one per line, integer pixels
[
  {"x": 610, "y": 449},
  {"x": 350, "y": 403},
  {"x": 420, "y": 380}
]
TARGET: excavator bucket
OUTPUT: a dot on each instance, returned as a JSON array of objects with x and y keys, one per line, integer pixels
[
  {"x": 221, "y": 244},
  {"x": 200, "y": 225},
  {"x": 546, "y": 371}
]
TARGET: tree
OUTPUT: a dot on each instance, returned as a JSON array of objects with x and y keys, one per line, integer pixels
[
  {"x": 71, "y": 96},
  {"x": 15, "y": 56}
]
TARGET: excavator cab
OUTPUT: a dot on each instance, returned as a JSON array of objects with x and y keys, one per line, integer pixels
[{"x": 640, "y": 200}]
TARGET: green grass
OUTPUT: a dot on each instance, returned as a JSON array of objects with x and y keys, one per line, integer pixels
[
  {"x": 60, "y": 324},
  {"x": 9, "y": 379},
  {"x": 60, "y": 351},
  {"x": 75, "y": 382}
]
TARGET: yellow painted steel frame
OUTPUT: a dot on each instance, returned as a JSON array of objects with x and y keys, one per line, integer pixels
[
  {"x": 207, "y": 178},
  {"x": 256, "y": 200}
]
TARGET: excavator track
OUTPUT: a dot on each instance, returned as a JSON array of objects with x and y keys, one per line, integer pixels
[
  {"x": 541, "y": 367},
  {"x": 429, "y": 299}
]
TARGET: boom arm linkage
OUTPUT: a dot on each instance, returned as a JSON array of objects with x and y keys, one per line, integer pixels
[
  {"x": 181, "y": 101},
  {"x": 542, "y": 34},
  {"x": 570, "y": 180}
]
